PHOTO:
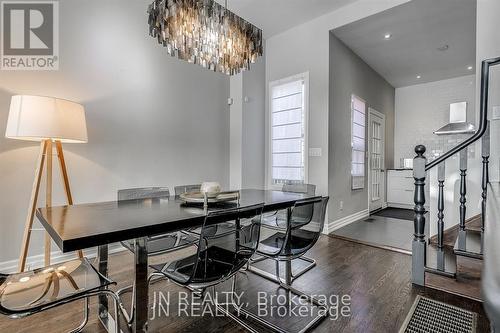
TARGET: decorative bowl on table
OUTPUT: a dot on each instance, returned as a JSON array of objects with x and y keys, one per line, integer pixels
[
  {"x": 213, "y": 193},
  {"x": 212, "y": 189}
]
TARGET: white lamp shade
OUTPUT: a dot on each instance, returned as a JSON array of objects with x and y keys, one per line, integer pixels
[{"x": 37, "y": 118}]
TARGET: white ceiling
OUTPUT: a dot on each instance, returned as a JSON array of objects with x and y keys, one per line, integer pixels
[
  {"x": 275, "y": 16},
  {"x": 418, "y": 28}
]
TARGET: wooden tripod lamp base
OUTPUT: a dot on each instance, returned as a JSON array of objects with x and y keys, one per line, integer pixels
[
  {"x": 44, "y": 157},
  {"x": 51, "y": 121}
]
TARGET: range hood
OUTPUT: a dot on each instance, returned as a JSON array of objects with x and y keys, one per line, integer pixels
[{"x": 458, "y": 121}]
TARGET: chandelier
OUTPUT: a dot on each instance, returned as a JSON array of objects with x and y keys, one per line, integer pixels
[{"x": 205, "y": 33}]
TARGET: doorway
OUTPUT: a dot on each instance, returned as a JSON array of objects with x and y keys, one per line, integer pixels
[{"x": 376, "y": 160}]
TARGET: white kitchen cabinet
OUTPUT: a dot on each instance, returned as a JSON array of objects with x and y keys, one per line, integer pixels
[{"x": 400, "y": 188}]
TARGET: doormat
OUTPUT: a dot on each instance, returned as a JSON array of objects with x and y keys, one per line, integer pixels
[{"x": 430, "y": 316}]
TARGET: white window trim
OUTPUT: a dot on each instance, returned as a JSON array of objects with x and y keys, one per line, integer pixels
[{"x": 269, "y": 161}]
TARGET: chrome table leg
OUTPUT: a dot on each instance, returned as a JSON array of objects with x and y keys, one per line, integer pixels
[
  {"x": 107, "y": 321},
  {"x": 141, "y": 297},
  {"x": 288, "y": 262}
]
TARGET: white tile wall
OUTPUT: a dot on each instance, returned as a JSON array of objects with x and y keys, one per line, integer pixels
[{"x": 422, "y": 109}]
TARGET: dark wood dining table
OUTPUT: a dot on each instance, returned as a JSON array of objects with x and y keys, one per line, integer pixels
[{"x": 84, "y": 226}]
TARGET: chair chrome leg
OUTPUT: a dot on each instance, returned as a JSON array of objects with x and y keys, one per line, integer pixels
[
  {"x": 223, "y": 308},
  {"x": 323, "y": 311},
  {"x": 256, "y": 260},
  {"x": 118, "y": 309},
  {"x": 126, "y": 290},
  {"x": 111, "y": 324},
  {"x": 312, "y": 264},
  {"x": 278, "y": 275},
  {"x": 85, "y": 316},
  {"x": 291, "y": 276}
]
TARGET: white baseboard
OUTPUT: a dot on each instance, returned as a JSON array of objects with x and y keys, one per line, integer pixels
[
  {"x": 334, "y": 225},
  {"x": 56, "y": 257},
  {"x": 406, "y": 206},
  {"x": 399, "y": 205}
]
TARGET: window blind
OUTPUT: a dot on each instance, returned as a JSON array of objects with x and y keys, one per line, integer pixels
[
  {"x": 287, "y": 132},
  {"x": 358, "y": 142}
]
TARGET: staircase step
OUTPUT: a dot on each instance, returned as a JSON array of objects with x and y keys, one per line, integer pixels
[
  {"x": 441, "y": 261},
  {"x": 474, "y": 228},
  {"x": 469, "y": 244},
  {"x": 469, "y": 268}
]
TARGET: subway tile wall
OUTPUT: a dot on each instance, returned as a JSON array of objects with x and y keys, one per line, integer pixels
[{"x": 422, "y": 109}]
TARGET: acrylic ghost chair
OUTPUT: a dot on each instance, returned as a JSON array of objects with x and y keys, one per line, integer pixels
[
  {"x": 157, "y": 244},
  {"x": 27, "y": 293},
  {"x": 218, "y": 256},
  {"x": 305, "y": 222},
  {"x": 277, "y": 219}
]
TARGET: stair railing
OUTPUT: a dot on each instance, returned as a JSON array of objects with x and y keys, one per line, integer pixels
[
  {"x": 420, "y": 168},
  {"x": 491, "y": 273}
]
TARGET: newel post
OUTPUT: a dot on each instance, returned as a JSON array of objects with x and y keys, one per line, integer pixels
[{"x": 419, "y": 246}]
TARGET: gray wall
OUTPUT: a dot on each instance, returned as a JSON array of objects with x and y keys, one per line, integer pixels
[
  {"x": 152, "y": 119},
  {"x": 253, "y": 129},
  {"x": 349, "y": 74}
]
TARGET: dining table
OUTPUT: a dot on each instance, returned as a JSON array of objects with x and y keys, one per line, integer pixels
[{"x": 89, "y": 225}]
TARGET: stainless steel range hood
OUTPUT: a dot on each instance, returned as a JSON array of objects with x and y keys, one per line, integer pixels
[{"x": 458, "y": 121}]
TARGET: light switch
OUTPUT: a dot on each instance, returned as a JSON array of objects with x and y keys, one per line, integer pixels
[
  {"x": 315, "y": 152},
  {"x": 496, "y": 113}
]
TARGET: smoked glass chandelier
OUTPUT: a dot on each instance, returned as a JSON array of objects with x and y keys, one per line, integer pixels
[{"x": 205, "y": 33}]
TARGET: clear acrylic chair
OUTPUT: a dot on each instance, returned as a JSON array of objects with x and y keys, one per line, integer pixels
[
  {"x": 305, "y": 224},
  {"x": 27, "y": 293},
  {"x": 218, "y": 256},
  {"x": 180, "y": 189},
  {"x": 299, "y": 188},
  {"x": 157, "y": 244},
  {"x": 277, "y": 219}
]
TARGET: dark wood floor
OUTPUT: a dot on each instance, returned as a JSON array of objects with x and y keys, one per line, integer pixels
[{"x": 377, "y": 280}]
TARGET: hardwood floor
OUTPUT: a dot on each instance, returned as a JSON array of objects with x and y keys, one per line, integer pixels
[
  {"x": 450, "y": 235},
  {"x": 377, "y": 281}
]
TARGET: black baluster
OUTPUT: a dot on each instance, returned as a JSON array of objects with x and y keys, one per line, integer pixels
[
  {"x": 463, "y": 191},
  {"x": 463, "y": 187},
  {"x": 440, "y": 215},
  {"x": 419, "y": 246},
  {"x": 486, "y": 177}
]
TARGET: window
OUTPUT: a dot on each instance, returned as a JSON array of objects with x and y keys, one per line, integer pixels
[
  {"x": 358, "y": 140},
  {"x": 288, "y": 131}
]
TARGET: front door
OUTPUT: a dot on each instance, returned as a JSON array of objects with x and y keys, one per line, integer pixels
[{"x": 376, "y": 149}]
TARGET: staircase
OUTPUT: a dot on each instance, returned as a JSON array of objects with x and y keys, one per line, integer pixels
[{"x": 442, "y": 263}]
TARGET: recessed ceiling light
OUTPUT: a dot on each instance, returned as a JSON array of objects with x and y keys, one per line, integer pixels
[
  {"x": 419, "y": 76},
  {"x": 469, "y": 68},
  {"x": 443, "y": 47},
  {"x": 387, "y": 36}
]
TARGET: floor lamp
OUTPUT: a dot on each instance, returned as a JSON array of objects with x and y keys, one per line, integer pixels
[{"x": 51, "y": 121}]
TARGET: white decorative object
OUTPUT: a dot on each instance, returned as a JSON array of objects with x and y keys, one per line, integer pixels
[{"x": 211, "y": 188}]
